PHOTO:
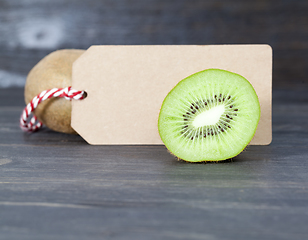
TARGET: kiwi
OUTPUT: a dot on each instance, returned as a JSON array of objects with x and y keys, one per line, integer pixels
[
  {"x": 211, "y": 115},
  {"x": 53, "y": 71}
]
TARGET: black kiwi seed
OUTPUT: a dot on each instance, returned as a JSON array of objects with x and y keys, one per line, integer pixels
[{"x": 206, "y": 131}]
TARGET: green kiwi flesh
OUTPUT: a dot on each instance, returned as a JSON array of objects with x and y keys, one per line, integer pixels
[{"x": 211, "y": 115}]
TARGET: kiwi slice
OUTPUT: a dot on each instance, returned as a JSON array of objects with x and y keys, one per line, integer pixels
[{"x": 211, "y": 115}]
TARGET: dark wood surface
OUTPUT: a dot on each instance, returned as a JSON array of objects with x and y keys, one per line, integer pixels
[
  {"x": 56, "y": 186},
  {"x": 31, "y": 29}
]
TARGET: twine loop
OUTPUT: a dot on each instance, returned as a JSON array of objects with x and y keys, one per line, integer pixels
[{"x": 34, "y": 124}]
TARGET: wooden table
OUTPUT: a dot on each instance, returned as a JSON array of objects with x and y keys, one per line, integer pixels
[{"x": 56, "y": 186}]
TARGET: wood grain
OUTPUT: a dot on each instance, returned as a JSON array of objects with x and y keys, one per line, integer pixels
[
  {"x": 31, "y": 29},
  {"x": 55, "y": 186}
]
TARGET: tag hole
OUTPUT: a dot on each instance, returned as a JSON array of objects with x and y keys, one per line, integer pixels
[{"x": 85, "y": 94}]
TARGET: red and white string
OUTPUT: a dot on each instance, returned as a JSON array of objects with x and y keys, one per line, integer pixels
[{"x": 34, "y": 124}]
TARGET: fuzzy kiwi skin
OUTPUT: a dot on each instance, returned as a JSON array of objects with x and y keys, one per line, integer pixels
[
  {"x": 233, "y": 79},
  {"x": 53, "y": 71}
]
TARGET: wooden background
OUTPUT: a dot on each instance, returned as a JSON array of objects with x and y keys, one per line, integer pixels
[
  {"x": 31, "y": 29},
  {"x": 55, "y": 186}
]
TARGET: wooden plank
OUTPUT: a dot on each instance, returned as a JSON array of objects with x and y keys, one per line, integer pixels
[
  {"x": 31, "y": 29},
  {"x": 55, "y": 186}
]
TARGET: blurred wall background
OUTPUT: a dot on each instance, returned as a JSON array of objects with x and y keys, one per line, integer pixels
[{"x": 30, "y": 29}]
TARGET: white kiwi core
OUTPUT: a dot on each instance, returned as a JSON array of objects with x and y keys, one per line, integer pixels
[{"x": 209, "y": 117}]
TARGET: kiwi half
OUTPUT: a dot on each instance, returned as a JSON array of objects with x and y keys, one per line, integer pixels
[{"x": 211, "y": 115}]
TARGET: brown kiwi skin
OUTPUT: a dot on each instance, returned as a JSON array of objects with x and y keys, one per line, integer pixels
[{"x": 53, "y": 71}]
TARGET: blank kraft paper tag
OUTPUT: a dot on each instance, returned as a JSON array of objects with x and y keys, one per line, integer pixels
[{"x": 126, "y": 86}]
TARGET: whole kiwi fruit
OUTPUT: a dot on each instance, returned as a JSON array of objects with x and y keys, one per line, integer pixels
[
  {"x": 53, "y": 71},
  {"x": 211, "y": 115}
]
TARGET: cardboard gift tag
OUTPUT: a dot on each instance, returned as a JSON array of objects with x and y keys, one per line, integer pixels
[{"x": 126, "y": 86}]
